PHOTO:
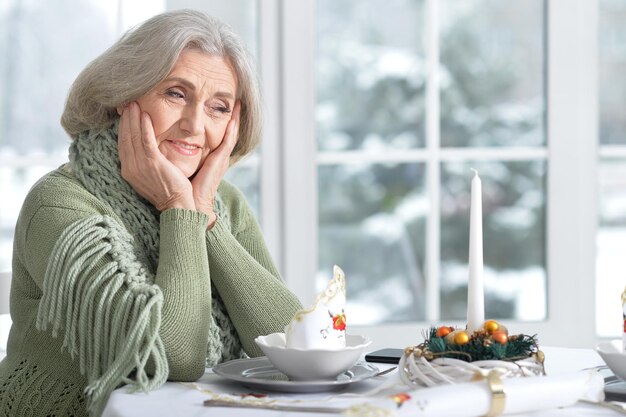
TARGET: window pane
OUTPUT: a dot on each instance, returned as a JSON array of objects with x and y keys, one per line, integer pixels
[
  {"x": 37, "y": 68},
  {"x": 612, "y": 66},
  {"x": 514, "y": 249},
  {"x": 43, "y": 47},
  {"x": 371, "y": 224},
  {"x": 370, "y": 74},
  {"x": 492, "y": 81},
  {"x": 245, "y": 175},
  {"x": 611, "y": 242},
  {"x": 15, "y": 183}
]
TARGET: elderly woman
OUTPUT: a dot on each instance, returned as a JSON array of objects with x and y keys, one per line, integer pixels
[{"x": 136, "y": 263}]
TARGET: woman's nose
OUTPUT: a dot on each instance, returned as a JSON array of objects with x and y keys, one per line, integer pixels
[{"x": 192, "y": 120}]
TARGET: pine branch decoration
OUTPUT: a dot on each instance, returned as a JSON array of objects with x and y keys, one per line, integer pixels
[{"x": 481, "y": 345}]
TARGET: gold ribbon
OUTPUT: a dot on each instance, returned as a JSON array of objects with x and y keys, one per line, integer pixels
[{"x": 498, "y": 396}]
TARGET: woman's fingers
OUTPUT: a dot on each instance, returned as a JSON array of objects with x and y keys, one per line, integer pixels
[
  {"x": 232, "y": 132},
  {"x": 134, "y": 127},
  {"x": 218, "y": 161},
  {"x": 125, "y": 147},
  {"x": 136, "y": 135},
  {"x": 148, "y": 138}
]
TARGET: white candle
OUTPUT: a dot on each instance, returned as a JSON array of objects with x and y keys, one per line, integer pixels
[{"x": 475, "y": 291}]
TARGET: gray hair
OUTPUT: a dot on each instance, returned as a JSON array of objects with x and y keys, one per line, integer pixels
[{"x": 144, "y": 56}]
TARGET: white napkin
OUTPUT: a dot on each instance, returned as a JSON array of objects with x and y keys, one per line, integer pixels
[
  {"x": 522, "y": 395},
  {"x": 323, "y": 325}
]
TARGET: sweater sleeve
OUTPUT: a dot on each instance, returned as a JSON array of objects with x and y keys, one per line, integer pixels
[
  {"x": 256, "y": 298},
  {"x": 181, "y": 279},
  {"x": 113, "y": 316},
  {"x": 183, "y": 276}
]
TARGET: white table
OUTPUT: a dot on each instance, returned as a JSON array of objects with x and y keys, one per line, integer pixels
[{"x": 176, "y": 399}]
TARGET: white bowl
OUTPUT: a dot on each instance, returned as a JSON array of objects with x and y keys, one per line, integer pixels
[
  {"x": 311, "y": 364},
  {"x": 614, "y": 357}
]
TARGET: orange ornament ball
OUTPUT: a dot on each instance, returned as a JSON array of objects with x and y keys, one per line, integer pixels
[
  {"x": 461, "y": 338},
  {"x": 500, "y": 337},
  {"x": 491, "y": 326},
  {"x": 443, "y": 331}
]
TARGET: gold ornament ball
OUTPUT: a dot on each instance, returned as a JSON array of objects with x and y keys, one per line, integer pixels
[
  {"x": 461, "y": 338},
  {"x": 491, "y": 326},
  {"x": 500, "y": 337}
]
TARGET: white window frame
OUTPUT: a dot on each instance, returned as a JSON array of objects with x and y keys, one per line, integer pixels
[{"x": 290, "y": 159}]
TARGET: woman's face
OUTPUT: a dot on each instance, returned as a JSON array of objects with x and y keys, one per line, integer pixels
[{"x": 191, "y": 108}]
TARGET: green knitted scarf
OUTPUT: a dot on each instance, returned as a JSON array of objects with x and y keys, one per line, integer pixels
[{"x": 113, "y": 340}]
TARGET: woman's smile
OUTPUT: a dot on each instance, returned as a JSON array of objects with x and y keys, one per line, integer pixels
[{"x": 184, "y": 148}]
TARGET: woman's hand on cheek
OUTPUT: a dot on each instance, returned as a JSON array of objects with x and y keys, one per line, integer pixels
[
  {"x": 144, "y": 166},
  {"x": 208, "y": 178}
]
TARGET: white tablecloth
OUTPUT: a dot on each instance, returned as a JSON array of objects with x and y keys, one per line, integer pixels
[{"x": 176, "y": 399}]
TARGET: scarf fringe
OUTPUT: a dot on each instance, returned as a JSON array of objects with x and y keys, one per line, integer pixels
[{"x": 114, "y": 333}]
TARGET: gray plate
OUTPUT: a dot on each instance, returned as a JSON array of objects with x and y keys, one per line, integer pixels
[{"x": 259, "y": 373}]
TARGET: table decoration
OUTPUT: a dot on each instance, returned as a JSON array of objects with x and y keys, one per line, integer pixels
[
  {"x": 323, "y": 325},
  {"x": 314, "y": 345},
  {"x": 449, "y": 355}
]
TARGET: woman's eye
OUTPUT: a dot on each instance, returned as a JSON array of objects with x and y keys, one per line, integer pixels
[
  {"x": 221, "y": 108},
  {"x": 175, "y": 93}
]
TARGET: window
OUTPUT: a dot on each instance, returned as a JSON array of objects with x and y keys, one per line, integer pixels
[
  {"x": 38, "y": 68},
  {"x": 394, "y": 136},
  {"x": 407, "y": 96}
]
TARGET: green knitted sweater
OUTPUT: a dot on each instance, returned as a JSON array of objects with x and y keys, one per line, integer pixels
[{"x": 46, "y": 372}]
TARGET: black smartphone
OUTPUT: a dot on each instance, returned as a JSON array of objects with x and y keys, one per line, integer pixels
[{"x": 389, "y": 355}]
